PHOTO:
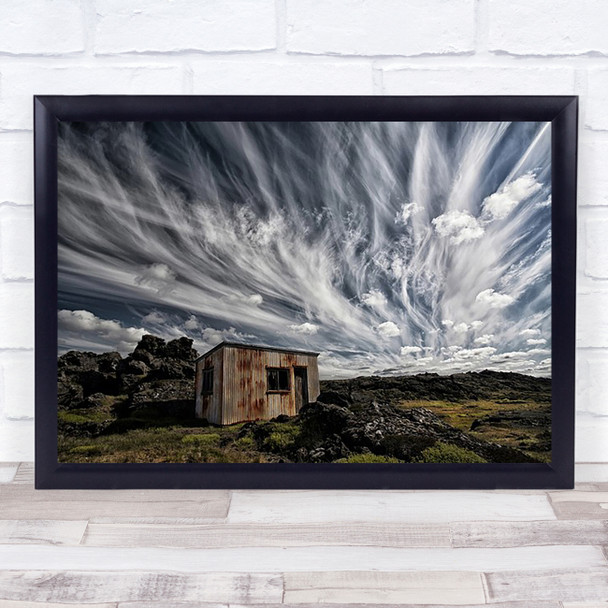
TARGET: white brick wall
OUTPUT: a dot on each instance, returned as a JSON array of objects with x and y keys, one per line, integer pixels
[{"x": 299, "y": 47}]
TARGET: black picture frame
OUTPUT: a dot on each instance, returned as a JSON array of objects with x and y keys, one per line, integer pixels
[{"x": 561, "y": 111}]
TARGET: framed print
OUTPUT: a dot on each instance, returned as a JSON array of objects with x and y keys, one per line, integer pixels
[{"x": 305, "y": 292}]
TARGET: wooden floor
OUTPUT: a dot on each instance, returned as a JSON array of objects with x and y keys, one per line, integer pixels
[{"x": 144, "y": 549}]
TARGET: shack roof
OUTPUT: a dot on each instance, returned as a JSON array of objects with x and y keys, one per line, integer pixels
[{"x": 257, "y": 347}]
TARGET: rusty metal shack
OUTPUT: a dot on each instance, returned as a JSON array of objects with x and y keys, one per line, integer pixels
[{"x": 239, "y": 382}]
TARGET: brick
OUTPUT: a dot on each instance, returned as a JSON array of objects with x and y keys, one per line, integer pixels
[
  {"x": 592, "y": 320},
  {"x": 590, "y": 441},
  {"x": 17, "y": 384},
  {"x": 392, "y": 27},
  {"x": 41, "y": 27},
  {"x": 275, "y": 78},
  {"x": 478, "y": 81},
  {"x": 16, "y": 242},
  {"x": 592, "y": 174},
  {"x": 16, "y": 168},
  {"x": 16, "y": 440},
  {"x": 596, "y": 248},
  {"x": 546, "y": 27},
  {"x": 16, "y": 315},
  {"x": 596, "y": 115},
  {"x": 20, "y": 83},
  {"x": 140, "y": 26},
  {"x": 592, "y": 384}
]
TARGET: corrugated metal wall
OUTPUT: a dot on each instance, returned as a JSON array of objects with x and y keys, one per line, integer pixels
[
  {"x": 210, "y": 406},
  {"x": 240, "y": 391}
]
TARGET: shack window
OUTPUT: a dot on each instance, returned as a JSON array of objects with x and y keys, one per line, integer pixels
[
  {"x": 207, "y": 381},
  {"x": 278, "y": 378}
]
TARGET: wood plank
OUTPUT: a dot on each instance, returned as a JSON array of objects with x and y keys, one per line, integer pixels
[
  {"x": 267, "y": 535},
  {"x": 584, "y": 604},
  {"x": 8, "y": 470},
  {"x": 535, "y": 533},
  {"x": 385, "y": 506},
  {"x": 580, "y": 510},
  {"x": 90, "y": 587},
  {"x": 25, "y": 473},
  {"x": 575, "y": 585},
  {"x": 50, "y": 532},
  {"x": 19, "y": 604},
  {"x": 575, "y": 496},
  {"x": 289, "y": 559},
  {"x": 374, "y": 605},
  {"x": 21, "y": 501},
  {"x": 454, "y": 588}
]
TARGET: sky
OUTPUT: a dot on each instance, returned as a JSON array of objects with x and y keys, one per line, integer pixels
[{"x": 387, "y": 247}]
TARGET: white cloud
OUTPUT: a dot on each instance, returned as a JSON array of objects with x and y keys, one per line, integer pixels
[
  {"x": 535, "y": 341},
  {"x": 410, "y": 350},
  {"x": 526, "y": 333},
  {"x": 191, "y": 323},
  {"x": 485, "y": 339},
  {"x": 407, "y": 210},
  {"x": 85, "y": 325},
  {"x": 254, "y": 299},
  {"x": 447, "y": 323},
  {"x": 493, "y": 299},
  {"x": 158, "y": 277},
  {"x": 460, "y": 226},
  {"x": 545, "y": 203},
  {"x": 461, "y": 328},
  {"x": 213, "y": 336},
  {"x": 307, "y": 329},
  {"x": 374, "y": 299},
  {"x": 476, "y": 324},
  {"x": 498, "y": 205},
  {"x": 154, "y": 318},
  {"x": 388, "y": 329}
]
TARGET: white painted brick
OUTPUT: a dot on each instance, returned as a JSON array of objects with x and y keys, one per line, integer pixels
[
  {"x": 390, "y": 27},
  {"x": 596, "y": 248},
  {"x": 16, "y": 440},
  {"x": 16, "y": 168},
  {"x": 16, "y": 242},
  {"x": 478, "y": 81},
  {"x": 592, "y": 320},
  {"x": 21, "y": 82},
  {"x": 592, "y": 173},
  {"x": 590, "y": 438},
  {"x": 139, "y": 26},
  {"x": 17, "y": 384},
  {"x": 41, "y": 27},
  {"x": 275, "y": 78},
  {"x": 17, "y": 315},
  {"x": 596, "y": 115},
  {"x": 546, "y": 27}
]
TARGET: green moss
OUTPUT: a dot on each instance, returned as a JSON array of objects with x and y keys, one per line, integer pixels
[
  {"x": 82, "y": 416},
  {"x": 86, "y": 450},
  {"x": 206, "y": 440},
  {"x": 448, "y": 453},
  {"x": 245, "y": 443},
  {"x": 282, "y": 437},
  {"x": 366, "y": 459}
]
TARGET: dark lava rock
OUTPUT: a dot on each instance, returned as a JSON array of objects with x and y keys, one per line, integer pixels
[
  {"x": 168, "y": 397},
  {"x": 69, "y": 394},
  {"x": 133, "y": 367},
  {"x": 516, "y": 418},
  {"x": 151, "y": 345}
]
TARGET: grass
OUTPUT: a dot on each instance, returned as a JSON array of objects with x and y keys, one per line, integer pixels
[
  {"x": 176, "y": 444},
  {"x": 448, "y": 453},
  {"x": 367, "y": 459},
  {"x": 462, "y": 415}
]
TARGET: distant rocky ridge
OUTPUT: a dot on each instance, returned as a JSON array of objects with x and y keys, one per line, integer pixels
[{"x": 157, "y": 373}]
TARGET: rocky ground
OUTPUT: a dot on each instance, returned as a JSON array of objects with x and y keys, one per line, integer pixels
[{"x": 140, "y": 408}]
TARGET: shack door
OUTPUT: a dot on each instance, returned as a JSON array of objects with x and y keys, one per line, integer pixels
[{"x": 300, "y": 375}]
